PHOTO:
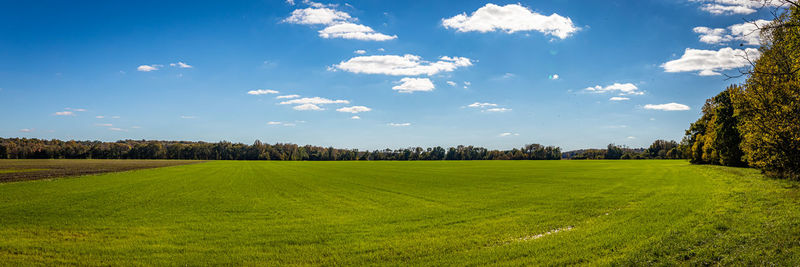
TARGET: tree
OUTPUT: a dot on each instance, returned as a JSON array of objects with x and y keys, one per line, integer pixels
[{"x": 768, "y": 105}]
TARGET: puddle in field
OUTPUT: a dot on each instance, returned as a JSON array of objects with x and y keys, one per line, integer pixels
[
  {"x": 533, "y": 237},
  {"x": 554, "y": 231}
]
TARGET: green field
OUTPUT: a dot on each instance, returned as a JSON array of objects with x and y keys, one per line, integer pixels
[{"x": 399, "y": 213}]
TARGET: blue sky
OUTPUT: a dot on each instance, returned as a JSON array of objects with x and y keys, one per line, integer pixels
[{"x": 464, "y": 72}]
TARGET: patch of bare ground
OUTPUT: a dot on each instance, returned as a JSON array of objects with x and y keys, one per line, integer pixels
[{"x": 12, "y": 170}]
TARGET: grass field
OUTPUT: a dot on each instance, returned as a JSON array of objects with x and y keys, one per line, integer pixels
[{"x": 392, "y": 213}]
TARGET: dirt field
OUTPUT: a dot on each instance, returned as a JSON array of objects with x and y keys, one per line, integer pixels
[{"x": 36, "y": 169}]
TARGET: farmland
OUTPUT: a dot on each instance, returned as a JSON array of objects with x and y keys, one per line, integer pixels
[
  {"x": 420, "y": 213},
  {"x": 24, "y": 170}
]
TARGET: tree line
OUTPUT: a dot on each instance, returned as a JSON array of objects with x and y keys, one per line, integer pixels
[
  {"x": 660, "y": 149},
  {"x": 757, "y": 123},
  {"x": 32, "y": 148}
]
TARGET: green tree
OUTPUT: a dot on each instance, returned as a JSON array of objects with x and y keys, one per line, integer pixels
[{"x": 768, "y": 105}]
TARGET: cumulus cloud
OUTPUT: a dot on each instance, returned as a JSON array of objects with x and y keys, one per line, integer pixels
[
  {"x": 355, "y": 118},
  {"x": 748, "y": 33},
  {"x": 273, "y": 123},
  {"x": 511, "y": 18},
  {"x": 64, "y": 113},
  {"x": 410, "y": 85},
  {"x": 262, "y": 92},
  {"x": 621, "y": 88},
  {"x": 287, "y": 96},
  {"x": 360, "y": 52},
  {"x": 619, "y": 98},
  {"x": 314, "y": 100},
  {"x": 354, "y": 109},
  {"x": 406, "y": 65},
  {"x": 718, "y": 9},
  {"x": 741, "y": 7},
  {"x": 667, "y": 107},
  {"x": 148, "y": 68},
  {"x": 451, "y": 83},
  {"x": 354, "y": 31},
  {"x": 710, "y": 62},
  {"x": 318, "y": 15},
  {"x": 181, "y": 65},
  {"x": 404, "y": 124},
  {"x": 339, "y": 24},
  {"x": 307, "y": 106},
  {"x": 553, "y": 77}
]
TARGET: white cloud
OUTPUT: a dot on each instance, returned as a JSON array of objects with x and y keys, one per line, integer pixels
[
  {"x": 354, "y": 31},
  {"x": 497, "y": 110},
  {"x": 399, "y": 124},
  {"x": 730, "y": 7},
  {"x": 148, "y": 68},
  {"x": 410, "y": 85},
  {"x": 553, "y": 77},
  {"x": 511, "y": 18},
  {"x": 748, "y": 33},
  {"x": 481, "y": 105},
  {"x": 354, "y": 109},
  {"x": 307, "y": 106},
  {"x": 355, "y": 117},
  {"x": 25, "y": 130},
  {"x": 181, "y": 65},
  {"x": 618, "y": 98},
  {"x": 667, "y": 107},
  {"x": 508, "y": 75},
  {"x": 631, "y": 137},
  {"x": 76, "y": 109},
  {"x": 339, "y": 24},
  {"x": 467, "y": 84},
  {"x": 64, "y": 113},
  {"x": 187, "y": 117},
  {"x": 287, "y": 96},
  {"x": 318, "y": 15},
  {"x": 508, "y": 134},
  {"x": 360, "y": 52},
  {"x": 99, "y": 117},
  {"x": 103, "y": 124},
  {"x": 118, "y": 129},
  {"x": 262, "y": 92},
  {"x": 718, "y": 9},
  {"x": 290, "y": 2},
  {"x": 451, "y": 83},
  {"x": 274, "y": 123},
  {"x": 621, "y": 88},
  {"x": 314, "y": 100},
  {"x": 408, "y": 65},
  {"x": 709, "y": 62}
]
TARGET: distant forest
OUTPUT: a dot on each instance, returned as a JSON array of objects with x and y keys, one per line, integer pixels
[
  {"x": 25, "y": 148},
  {"x": 31, "y": 148}
]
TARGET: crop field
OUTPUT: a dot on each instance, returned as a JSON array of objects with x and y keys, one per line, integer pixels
[
  {"x": 34, "y": 169},
  {"x": 404, "y": 213}
]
